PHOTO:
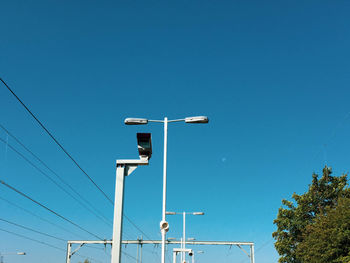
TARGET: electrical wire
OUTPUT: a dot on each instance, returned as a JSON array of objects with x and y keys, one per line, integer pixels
[
  {"x": 48, "y": 209},
  {"x": 43, "y": 219},
  {"x": 33, "y": 230},
  {"x": 41, "y": 233},
  {"x": 56, "y": 141},
  {"x": 52, "y": 171},
  {"x": 59, "y": 177},
  {"x": 52, "y": 180},
  {"x": 128, "y": 255},
  {"x": 59, "y": 186},
  {"x": 64, "y": 150},
  {"x": 32, "y": 239},
  {"x": 127, "y": 218},
  {"x": 44, "y": 243},
  {"x": 259, "y": 248}
]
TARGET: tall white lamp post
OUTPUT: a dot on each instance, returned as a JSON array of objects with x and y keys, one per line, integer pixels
[
  {"x": 183, "y": 258},
  {"x": 164, "y": 226}
]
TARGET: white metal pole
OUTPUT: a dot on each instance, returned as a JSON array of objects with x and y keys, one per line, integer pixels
[
  {"x": 163, "y": 231},
  {"x": 141, "y": 253},
  {"x": 174, "y": 257},
  {"x": 184, "y": 235},
  {"x": 252, "y": 257},
  {"x": 69, "y": 247},
  {"x": 181, "y": 254},
  {"x": 118, "y": 214},
  {"x": 137, "y": 252}
]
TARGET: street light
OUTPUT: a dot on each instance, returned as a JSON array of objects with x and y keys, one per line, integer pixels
[
  {"x": 164, "y": 226},
  {"x": 13, "y": 253},
  {"x": 183, "y": 258}
]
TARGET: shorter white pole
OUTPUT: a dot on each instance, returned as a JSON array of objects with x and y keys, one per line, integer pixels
[
  {"x": 184, "y": 235},
  {"x": 182, "y": 246},
  {"x": 252, "y": 257},
  {"x": 69, "y": 247},
  {"x": 118, "y": 215}
]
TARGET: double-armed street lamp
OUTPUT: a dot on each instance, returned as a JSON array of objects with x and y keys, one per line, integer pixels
[
  {"x": 183, "y": 257},
  {"x": 164, "y": 225}
]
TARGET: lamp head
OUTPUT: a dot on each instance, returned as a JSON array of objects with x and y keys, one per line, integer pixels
[
  {"x": 170, "y": 213},
  {"x": 135, "y": 121},
  {"x": 198, "y": 213},
  {"x": 197, "y": 119}
]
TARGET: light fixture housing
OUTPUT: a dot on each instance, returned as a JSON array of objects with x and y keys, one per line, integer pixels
[
  {"x": 198, "y": 213},
  {"x": 135, "y": 121},
  {"x": 197, "y": 119},
  {"x": 170, "y": 213}
]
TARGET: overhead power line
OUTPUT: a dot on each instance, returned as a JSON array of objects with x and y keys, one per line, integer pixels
[
  {"x": 48, "y": 235},
  {"x": 48, "y": 209},
  {"x": 43, "y": 219},
  {"x": 139, "y": 229},
  {"x": 65, "y": 151},
  {"x": 52, "y": 180},
  {"x": 46, "y": 244},
  {"x": 59, "y": 177},
  {"x": 32, "y": 239},
  {"x": 41, "y": 233},
  {"x": 32, "y": 230},
  {"x": 56, "y": 141}
]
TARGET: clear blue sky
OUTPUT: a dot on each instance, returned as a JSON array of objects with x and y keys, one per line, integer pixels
[{"x": 273, "y": 77}]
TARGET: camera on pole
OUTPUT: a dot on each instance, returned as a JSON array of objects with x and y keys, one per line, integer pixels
[{"x": 144, "y": 145}]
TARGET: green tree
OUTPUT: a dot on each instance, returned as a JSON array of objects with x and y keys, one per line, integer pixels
[
  {"x": 328, "y": 239},
  {"x": 294, "y": 217}
]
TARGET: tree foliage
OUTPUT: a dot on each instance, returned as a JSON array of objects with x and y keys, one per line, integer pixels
[
  {"x": 328, "y": 239},
  {"x": 294, "y": 217}
]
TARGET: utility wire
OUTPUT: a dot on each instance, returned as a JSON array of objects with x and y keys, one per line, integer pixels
[
  {"x": 63, "y": 189},
  {"x": 43, "y": 219},
  {"x": 44, "y": 243},
  {"x": 64, "y": 150},
  {"x": 32, "y": 239},
  {"x": 127, "y": 218},
  {"x": 128, "y": 255},
  {"x": 30, "y": 229},
  {"x": 53, "y": 181},
  {"x": 48, "y": 209},
  {"x": 258, "y": 249},
  {"x": 41, "y": 233},
  {"x": 61, "y": 179},
  {"x": 56, "y": 141},
  {"x": 52, "y": 171}
]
